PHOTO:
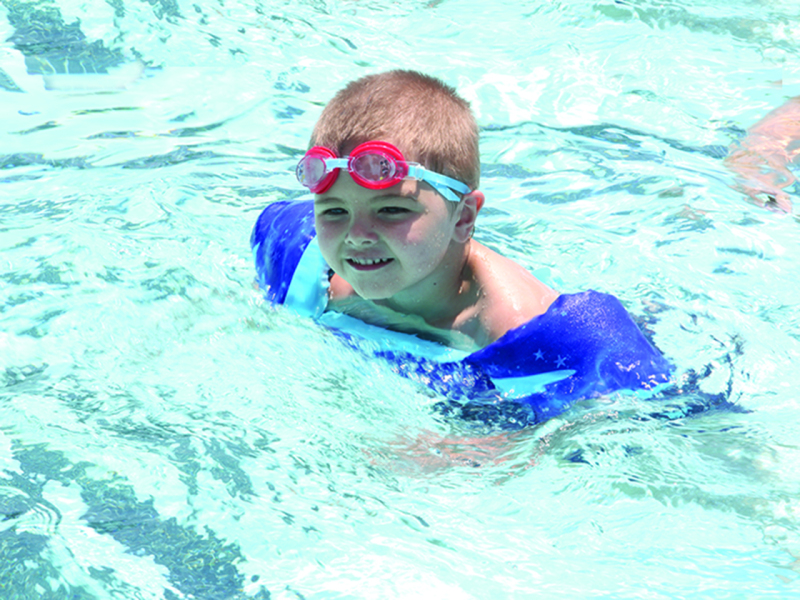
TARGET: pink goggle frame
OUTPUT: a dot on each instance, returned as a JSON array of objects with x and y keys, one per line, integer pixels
[{"x": 373, "y": 165}]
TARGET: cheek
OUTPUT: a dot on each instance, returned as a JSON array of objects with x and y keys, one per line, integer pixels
[
  {"x": 427, "y": 251},
  {"x": 426, "y": 232},
  {"x": 326, "y": 238},
  {"x": 432, "y": 236}
]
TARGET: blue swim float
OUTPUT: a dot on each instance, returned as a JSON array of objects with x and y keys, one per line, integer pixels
[{"x": 586, "y": 344}]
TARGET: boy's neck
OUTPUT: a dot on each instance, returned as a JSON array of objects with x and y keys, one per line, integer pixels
[
  {"x": 382, "y": 316},
  {"x": 439, "y": 300}
]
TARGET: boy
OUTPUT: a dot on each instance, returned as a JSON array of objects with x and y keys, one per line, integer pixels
[
  {"x": 403, "y": 255},
  {"x": 394, "y": 168}
]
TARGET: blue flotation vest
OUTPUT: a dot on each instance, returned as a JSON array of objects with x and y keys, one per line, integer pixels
[{"x": 586, "y": 344}]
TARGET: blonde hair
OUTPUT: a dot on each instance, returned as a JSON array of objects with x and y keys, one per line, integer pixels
[{"x": 424, "y": 117}]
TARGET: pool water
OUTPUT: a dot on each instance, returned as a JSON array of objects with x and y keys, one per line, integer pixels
[{"x": 166, "y": 434}]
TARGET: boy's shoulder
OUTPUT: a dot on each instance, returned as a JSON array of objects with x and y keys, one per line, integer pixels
[{"x": 510, "y": 296}]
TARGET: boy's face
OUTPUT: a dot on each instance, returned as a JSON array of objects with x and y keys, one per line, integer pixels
[{"x": 385, "y": 242}]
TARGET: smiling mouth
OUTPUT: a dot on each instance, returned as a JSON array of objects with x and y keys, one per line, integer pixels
[{"x": 368, "y": 264}]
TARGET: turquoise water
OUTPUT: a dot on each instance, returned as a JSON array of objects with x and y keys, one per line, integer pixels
[{"x": 165, "y": 434}]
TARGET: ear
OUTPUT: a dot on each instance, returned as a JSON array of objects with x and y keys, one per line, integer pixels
[{"x": 468, "y": 210}]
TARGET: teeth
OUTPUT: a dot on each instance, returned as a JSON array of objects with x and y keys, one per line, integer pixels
[{"x": 368, "y": 261}]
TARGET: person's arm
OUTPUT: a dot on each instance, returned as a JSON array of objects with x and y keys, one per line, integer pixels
[{"x": 760, "y": 159}]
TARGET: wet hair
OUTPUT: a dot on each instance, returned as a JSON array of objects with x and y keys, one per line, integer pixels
[{"x": 421, "y": 115}]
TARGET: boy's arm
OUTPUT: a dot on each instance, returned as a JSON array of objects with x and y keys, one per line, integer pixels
[{"x": 761, "y": 158}]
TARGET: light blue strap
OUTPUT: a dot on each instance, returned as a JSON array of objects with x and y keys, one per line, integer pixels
[
  {"x": 335, "y": 163},
  {"x": 383, "y": 340},
  {"x": 442, "y": 183},
  {"x": 308, "y": 291}
]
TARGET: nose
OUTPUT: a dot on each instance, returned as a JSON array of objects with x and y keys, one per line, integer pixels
[{"x": 361, "y": 232}]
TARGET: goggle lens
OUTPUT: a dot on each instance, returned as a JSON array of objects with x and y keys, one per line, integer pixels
[
  {"x": 314, "y": 172},
  {"x": 311, "y": 170},
  {"x": 374, "y": 168}
]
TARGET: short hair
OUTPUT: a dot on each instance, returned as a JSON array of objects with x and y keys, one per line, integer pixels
[{"x": 422, "y": 115}]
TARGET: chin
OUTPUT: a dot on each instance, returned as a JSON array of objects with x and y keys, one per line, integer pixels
[{"x": 371, "y": 293}]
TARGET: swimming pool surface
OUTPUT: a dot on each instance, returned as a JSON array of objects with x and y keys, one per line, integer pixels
[{"x": 166, "y": 434}]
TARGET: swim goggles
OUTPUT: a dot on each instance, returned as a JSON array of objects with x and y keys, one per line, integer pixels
[{"x": 373, "y": 165}]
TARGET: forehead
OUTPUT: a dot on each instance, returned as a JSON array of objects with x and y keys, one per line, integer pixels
[{"x": 345, "y": 189}]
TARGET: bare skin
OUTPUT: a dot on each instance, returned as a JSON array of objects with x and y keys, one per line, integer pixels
[
  {"x": 495, "y": 296},
  {"x": 762, "y": 158},
  {"x": 432, "y": 278}
]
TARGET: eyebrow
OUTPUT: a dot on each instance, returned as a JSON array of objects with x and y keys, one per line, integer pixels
[{"x": 377, "y": 198}]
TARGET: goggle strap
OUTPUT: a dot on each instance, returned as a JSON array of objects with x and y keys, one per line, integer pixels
[
  {"x": 334, "y": 163},
  {"x": 446, "y": 192},
  {"x": 442, "y": 183}
]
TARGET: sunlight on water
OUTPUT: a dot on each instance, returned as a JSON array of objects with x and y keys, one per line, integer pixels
[{"x": 164, "y": 433}]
